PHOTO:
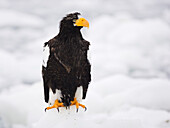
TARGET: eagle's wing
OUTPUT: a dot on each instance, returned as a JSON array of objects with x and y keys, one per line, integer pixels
[
  {"x": 86, "y": 78},
  {"x": 86, "y": 70},
  {"x": 46, "y": 53}
]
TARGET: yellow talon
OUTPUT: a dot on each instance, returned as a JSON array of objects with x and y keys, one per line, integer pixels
[
  {"x": 56, "y": 105},
  {"x": 75, "y": 102}
]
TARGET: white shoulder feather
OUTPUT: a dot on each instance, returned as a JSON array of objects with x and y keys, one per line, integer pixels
[{"x": 46, "y": 54}]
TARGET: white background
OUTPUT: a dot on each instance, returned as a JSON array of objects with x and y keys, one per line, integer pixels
[{"x": 130, "y": 57}]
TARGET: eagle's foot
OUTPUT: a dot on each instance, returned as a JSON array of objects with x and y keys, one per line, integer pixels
[
  {"x": 75, "y": 102},
  {"x": 56, "y": 105}
]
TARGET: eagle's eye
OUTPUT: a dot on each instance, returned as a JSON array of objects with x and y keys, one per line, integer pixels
[{"x": 74, "y": 20}]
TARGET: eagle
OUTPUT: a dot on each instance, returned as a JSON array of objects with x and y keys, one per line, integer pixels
[{"x": 66, "y": 70}]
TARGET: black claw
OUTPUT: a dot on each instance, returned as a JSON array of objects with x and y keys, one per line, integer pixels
[
  {"x": 77, "y": 110},
  {"x": 85, "y": 109},
  {"x": 58, "y": 109},
  {"x": 45, "y": 109}
]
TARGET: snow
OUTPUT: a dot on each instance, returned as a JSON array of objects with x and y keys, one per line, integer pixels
[
  {"x": 142, "y": 104},
  {"x": 129, "y": 53}
]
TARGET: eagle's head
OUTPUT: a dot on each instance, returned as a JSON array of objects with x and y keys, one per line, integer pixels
[{"x": 72, "y": 22}]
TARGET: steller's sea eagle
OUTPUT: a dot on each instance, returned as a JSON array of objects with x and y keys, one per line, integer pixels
[{"x": 66, "y": 68}]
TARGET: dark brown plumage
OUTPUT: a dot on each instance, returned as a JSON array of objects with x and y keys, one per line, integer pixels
[{"x": 67, "y": 66}]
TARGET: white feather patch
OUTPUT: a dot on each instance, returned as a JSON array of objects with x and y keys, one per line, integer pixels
[
  {"x": 46, "y": 53},
  {"x": 79, "y": 94},
  {"x": 89, "y": 55},
  {"x": 54, "y": 96}
]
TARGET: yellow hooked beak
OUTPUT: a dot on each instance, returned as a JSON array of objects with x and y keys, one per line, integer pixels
[{"x": 82, "y": 22}]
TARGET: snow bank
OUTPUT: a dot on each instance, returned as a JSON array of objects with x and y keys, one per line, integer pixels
[
  {"x": 117, "y": 101},
  {"x": 120, "y": 90},
  {"x": 53, "y": 120},
  {"x": 20, "y": 104},
  {"x": 152, "y": 95}
]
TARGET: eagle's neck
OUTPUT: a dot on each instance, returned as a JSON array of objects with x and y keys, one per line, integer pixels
[{"x": 67, "y": 33}]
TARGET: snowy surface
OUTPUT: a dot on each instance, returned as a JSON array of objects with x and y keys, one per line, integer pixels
[{"x": 130, "y": 56}]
